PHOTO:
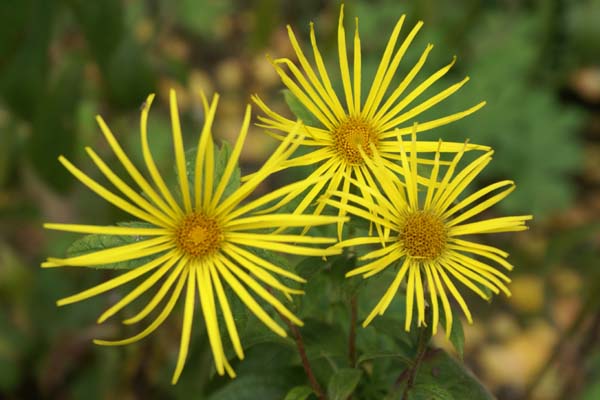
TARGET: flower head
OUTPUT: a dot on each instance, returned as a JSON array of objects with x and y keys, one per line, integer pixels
[
  {"x": 198, "y": 244},
  {"x": 423, "y": 232},
  {"x": 344, "y": 128}
]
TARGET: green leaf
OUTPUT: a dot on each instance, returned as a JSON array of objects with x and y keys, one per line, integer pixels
[
  {"x": 457, "y": 335},
  {"x": 322, "y": 339},
  {"x": 441, "y": 373},
  {"x": 252, "y": 387},
  {"x": 392, "y": 327},
  {"x": 299, "y": 110},
  {"x": 298, "y": 393},
  {"x": 430, "y": 391},
  {"x": 310, "y": 266},
  {"x": 342, "y": 383},
  {"x": 383, "y": 354},
  {"x": 92, "y": 243}
]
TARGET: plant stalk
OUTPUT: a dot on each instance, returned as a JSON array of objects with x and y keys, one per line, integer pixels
[
  {"x": 352, "y": 334},
  {"x": 421, "y": 350},
  {"x": 316, "y": 387}
]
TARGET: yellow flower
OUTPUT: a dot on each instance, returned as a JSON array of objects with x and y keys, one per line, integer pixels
[
  {"x": 425, "y": 235},
  {"x": 344, "y": 128},
  {"x": 199, "y": 242}
]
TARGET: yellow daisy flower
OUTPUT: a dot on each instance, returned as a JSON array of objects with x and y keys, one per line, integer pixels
[
  {"x": 343, "y": 128},
  {"x": 425, "y": 235},
  {"x": 199, "y": 242}
]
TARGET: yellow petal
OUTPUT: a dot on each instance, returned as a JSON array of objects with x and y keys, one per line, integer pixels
[{"x": 186, "y": 330}]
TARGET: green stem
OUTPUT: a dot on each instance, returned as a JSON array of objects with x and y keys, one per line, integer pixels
[
  {"x": 421, "y": 350},
  {"x": 314, "y": 384},
  {"x": 352, "y": 334},
  {"x": 316, "y": 387}
]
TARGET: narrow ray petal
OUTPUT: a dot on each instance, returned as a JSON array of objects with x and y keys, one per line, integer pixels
[
  {"x": 476, "y": 196},
  {"x": 382, "y": 111},
  {"x": 233, "y": 159},
  {"x": 139, "y": 290},
  {"x": 115, "y": 254},
  {"x": 227, "y": 314},
  {"x": 455, "y": 293},
  {"x": 410, "y": 295},
  {"x": 238, "y": 252},
  {"x": 484, "y": 205},
  {"x": 386, "y": 120},
  {"x": 110, "y": 196},
  {"x": 115, "y": 282},
  {"x": 247, "y": 299},
  {"x": 174, "y": 208},
  {"x": 207, "y": 302},
  {"x": 383, "y": 66},
  {"x": 328, "y": 101},
  {"x": 131, "y": 169},
  {"x": 445, "y": 303},
  {"x": 357, "y": 69},
  {"x": 159, "y": 296},
  {"x": 186, "y": 330},
  {"x": 127, "y": 190},
  {"x": 343, "y": 57},
  {"x": 391, "y": 71},
  {"x": 179, "y": 152},
  {"x": 305, "y": 94},
  {"x": 420, "y": 296},
  {"x": 387, "y": 298},
  {"x": 433, "y": 298},
  {"x": 155, "y": 324},
  {"x": 205, "y": 155},
  {"x": 107, "y": 230}
]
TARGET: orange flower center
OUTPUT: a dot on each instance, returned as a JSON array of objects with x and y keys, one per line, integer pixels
[
  {"x": 423, "y": 235},
  {"x": 351, "y": 134},
  {"x": 198, "y": 236}
]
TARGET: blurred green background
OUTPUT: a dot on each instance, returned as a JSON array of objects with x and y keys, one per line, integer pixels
[{"x": 537, "y": 63}]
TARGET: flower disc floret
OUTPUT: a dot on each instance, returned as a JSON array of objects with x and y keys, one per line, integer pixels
[
  {"x": 198, "y": 236},
  {"x": 423, "y": 235},
  {"x": 352, "y": 134}
]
